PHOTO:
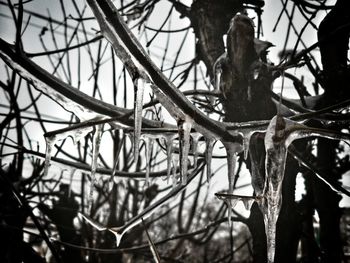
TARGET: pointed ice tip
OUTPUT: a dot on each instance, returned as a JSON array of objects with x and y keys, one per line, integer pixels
[
  {"x": 118, "y": 238},
  {"x": 208, "y": 178}
]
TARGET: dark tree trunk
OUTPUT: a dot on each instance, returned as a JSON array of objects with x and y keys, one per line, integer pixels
[
  {"x": 246, "y": 97},
  {"x": 336, "y": 83}
]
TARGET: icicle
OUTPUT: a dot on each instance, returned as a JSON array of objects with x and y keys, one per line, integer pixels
[
  {"x": 139, "y": 86},
  {"x": 234, "y": 199},
  {"x": 195, "y": 138},
  {"x": 218, "y": 71},
  {"x": 247, "y": 202},
  {"x": 246, "y": 141},
  {"x": 280, "y": 133},
  {"x": 148, "y": 151},
  {"x": 169, "y": 139},
  {"x": 50, "y": 141},
  {"x": 275, "y": 161},
  {"x": 247, "y": 134},
  {"x": 78, "y": 134},
  {"x": 184, "y": 127},
  {"x": 174, "y": 161},
  {"x": 210, "y": 142},
  {"x": 95, "y": 151},
  {"x": 231, "y": 151},
  {"x": 115, "y": 166}
]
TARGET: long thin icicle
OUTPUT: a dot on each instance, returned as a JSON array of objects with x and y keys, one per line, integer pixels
[
  {"x": 174, "y": 161},
  {"x": 218, "y": 71},
  {"x": 184, "y": 127},
  {"x": 210, "y": 142},
  {"x": 50, "y": 141},
  {"x": 116, "y": 161},
  {"x": 169, "y": 139},
  {"x": 148, "y": 151},
  {"x": 139, "y": 86},
  {"x": 195, "y": 139},
  {"x": 231, "y": 153},
  {"x": 96, "y": 140}
]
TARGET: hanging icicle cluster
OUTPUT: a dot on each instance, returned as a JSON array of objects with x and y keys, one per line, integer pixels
[{"x": 193, "y": 128}]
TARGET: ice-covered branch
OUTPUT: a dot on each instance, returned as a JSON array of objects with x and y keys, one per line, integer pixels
[
  {"x": 120, "y": 231},
  {"x": 108, "y": 15}
]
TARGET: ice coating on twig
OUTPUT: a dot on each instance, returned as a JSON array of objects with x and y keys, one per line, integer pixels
[
  {"x": 50, "y": 141},
  {"x": 139, "y": 86},
  {"x": 195, "y": 139},
  {"x": 79, "y": 134},
  {"x": 210, "y": 142},
  {"x": 96, "y": 140},
  {"x": 184, "y": 129},
  {"x": 153, "y": 248},
  {"x": 144, "y": 214},
  {"x": 99, "y": 227},
  {"x": 76, "y": 133}
]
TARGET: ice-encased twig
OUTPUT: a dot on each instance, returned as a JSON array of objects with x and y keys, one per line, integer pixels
[
  {"x": 335, "y": 187},
  {"x": 114, "y": 28},
  {"x": 147, "y": 212},
  {"x": 96, "y": 140},
  {"x": 184, "y": 127},
  {"x": 152, "y": 246}
]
